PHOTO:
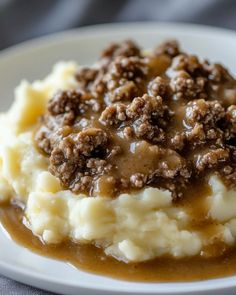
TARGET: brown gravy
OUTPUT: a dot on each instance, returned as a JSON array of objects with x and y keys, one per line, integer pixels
[
  {"x": 92, "y": 259},
  {"x": 168, "y": 108},
  {"x": 183, "y": 125}
]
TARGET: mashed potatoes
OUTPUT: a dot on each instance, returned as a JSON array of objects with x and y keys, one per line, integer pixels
[{"x": 131, "y": 227}]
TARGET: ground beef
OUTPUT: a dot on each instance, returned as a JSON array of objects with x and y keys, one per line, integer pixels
[
  {"x": 206, "y": 112},
  {"x": 163, "y": 118},
  {"x": 177, "y": 141},
  {"x": 114, "y": 114},
  {"x": 69, "y": 104},
  {"x": 79, "y": 156},
  {"x": 228, "y": 173},
  {"x": 122, "y": 77},
  {"x": 204, "y": 118},
  {"x": 186, "y": 87},
  {"x": 170, "y": 48},
  {"x": 125, "y": 78},
  {"x": 159, "y": 87},
  {"x": 211, "y": 159},
  {"x": 231, "y": 122},
  {"x": 217, "y": 73},
  {"x": 63, "y": 110},
  {"x": 43, "y": 139},
  {"x": 85, "y": 76},
  {"x": 126, "y": 48},
  {"x": 65, "y": 161},
  {"x": 90, "y": 141},
  {"x": 149, "y": 116},
  {"x": 138, "y": 180},
  {"x": 189, "y": 64},
  {"x": 66, "y": 103},
  {"x": 193, "y": 78},
  {"x": 146, "y": 117},
  {"x": 146, "y": 106}
]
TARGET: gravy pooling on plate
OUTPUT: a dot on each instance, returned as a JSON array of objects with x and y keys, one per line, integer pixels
[
  {"x": 92, "y": 259},
  {"x": 129, "y": 163}
]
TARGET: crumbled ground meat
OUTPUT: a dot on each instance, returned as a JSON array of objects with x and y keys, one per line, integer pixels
[
  {"x": 229, "y": 175},
  {"x": 203, "y": 119},
  {"x": 89, "y": 140},
  {"x": 146, "y": 106},
  {"x": 177, "y": 141},
  {"x": 43, "y": 139},
  {"x": 149, "y": 116},
  {"x": 125, "y": 78},
  {"x": 85, "y": 76},
  {"x": 159, "y": 87},
  {"x": 121, "y": 73},
  {"x": 192, "y": 78},
  {"x": 211, "y": 159},
  {"x": 146, "y": 117},
  {"x": 66, "y": 103},
  {"x": 69, "y": 104},
  {"x": 217, "y": 73},
  {"x": 126, "y": 48},
  {"x": 231, "y": 122},
  {"x": 63, "y": 110},
  {"x": 206, "y": 112},
  {"x": 135, "y": 122},
  {"x": 138, "y": 180},
  {"x": 114, "y": 114},
  {"x": 186, "y": 87},
  {"x": 170, "y": 48},
  {"x": 79, "y": 156},
  {"x": 189, "y": 64}
]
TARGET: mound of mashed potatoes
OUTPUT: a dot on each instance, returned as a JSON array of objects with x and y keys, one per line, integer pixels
[{"x": 132, "y": 227}]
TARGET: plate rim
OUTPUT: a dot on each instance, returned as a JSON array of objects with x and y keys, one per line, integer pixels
[
  {"x": 86, "y": 32},
  {"x": 107, "y": 28}
]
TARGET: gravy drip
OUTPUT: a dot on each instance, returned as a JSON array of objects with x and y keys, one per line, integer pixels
[
  {"x": 163, "y": 119},
  {"x": 165, "y": 269}
]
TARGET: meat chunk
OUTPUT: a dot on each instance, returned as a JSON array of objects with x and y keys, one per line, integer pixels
[
  {"x": 65, "y": 102},
  {"x": 85, "y": 76},
  {"x": 186, "y": 87},
  {"x": 217, "y": 73},
  {"x": 203, "y": 118},
  {"x": 126, "y": 48},
  {"x": 228, "y": 174},
  {"x": 67, "y": 105},
  {"x": 114, "y": 114},
  {"x": 78, "y": 156},
  {"x": 145, "y": 117},
  {"x": 189, "y": 64},
  {"x": 125, "y": 78},
  {"x": 146, "y": 106},
  {"x": 65, "y": 161},
  {"x": 138, "y": 180},
  {"x": 206, "y": 112},
  {"x": 231, "y": 122},
  {"x": 159, "y": 87},
  {"x": 211, "y": 159},
  {"x": 170, "y": 48},
  {"x": 90, "y": 141}
]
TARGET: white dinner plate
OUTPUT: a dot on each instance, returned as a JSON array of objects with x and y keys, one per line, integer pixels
[{"x": 33, "y": 60}]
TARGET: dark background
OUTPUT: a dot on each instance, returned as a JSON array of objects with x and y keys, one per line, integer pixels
[
  {"x": 25, "y": 19},
  {"x": 21, "y": 20}
]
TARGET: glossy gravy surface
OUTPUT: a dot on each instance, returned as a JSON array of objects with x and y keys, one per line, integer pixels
[
  {"x": 92, "y": 259},
  {"x": 184, "y": 96}
]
